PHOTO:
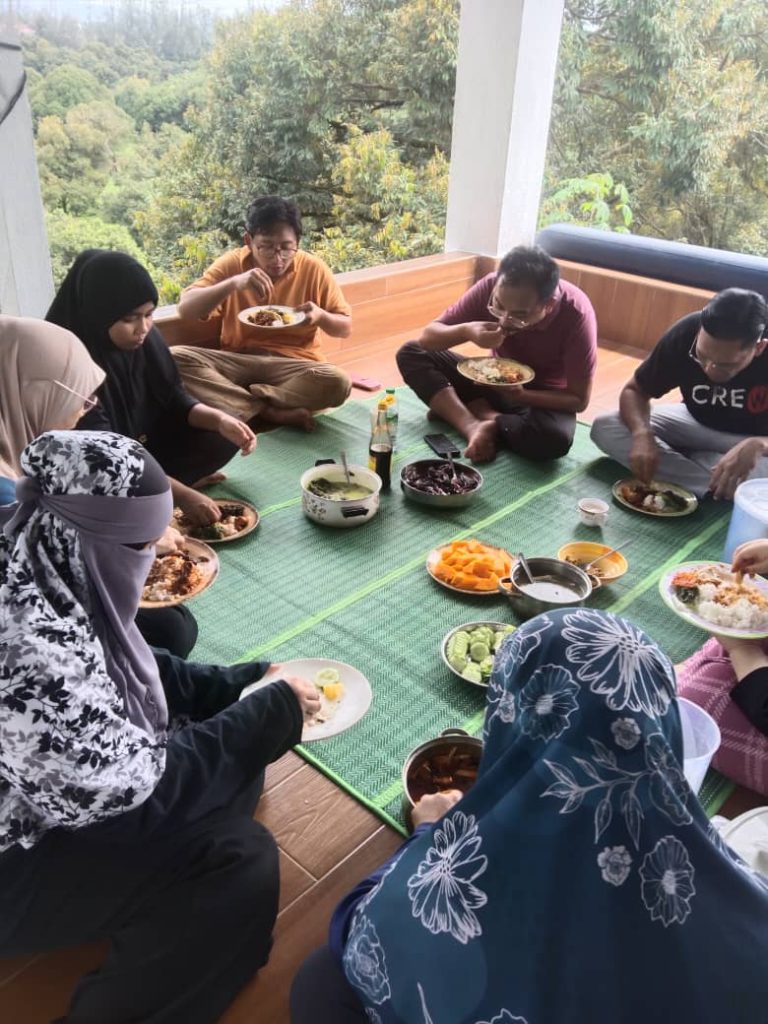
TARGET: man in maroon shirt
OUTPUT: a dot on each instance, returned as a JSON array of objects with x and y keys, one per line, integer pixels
[{"x": 522, "y": 312}]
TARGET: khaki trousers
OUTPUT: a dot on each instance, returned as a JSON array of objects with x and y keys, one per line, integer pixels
[{"x": 243, "y": 383}]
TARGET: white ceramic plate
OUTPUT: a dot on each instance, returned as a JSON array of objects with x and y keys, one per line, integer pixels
[
  {"x": 249, "y": 513},
  {"x": 468, "y": 626},
  {"x": 689, "y": 615},
  {"x": 473, "y": 367},
  {"x": 434, "y": 557},
  {"x": 343, "y": 713},
  {"x": 206, "y": 560},
  {"x": 296, "y": 318},
  {"x": 691, "y": 501}
]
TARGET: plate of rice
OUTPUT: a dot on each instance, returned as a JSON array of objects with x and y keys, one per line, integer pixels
[{"x": 709, "y": 595}]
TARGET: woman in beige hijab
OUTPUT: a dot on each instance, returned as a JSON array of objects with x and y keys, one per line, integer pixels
[{"x": 47, "y": 382}]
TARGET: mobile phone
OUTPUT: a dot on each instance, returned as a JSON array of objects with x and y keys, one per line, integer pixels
[
  {"x": 442, "y": 445},
  {"x": 366, "y": 383}
]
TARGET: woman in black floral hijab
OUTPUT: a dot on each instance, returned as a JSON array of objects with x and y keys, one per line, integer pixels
[{"x": 127, "y": 787}]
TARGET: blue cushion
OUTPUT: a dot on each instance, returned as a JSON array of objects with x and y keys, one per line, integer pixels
[{"x": 692, "y": 265}]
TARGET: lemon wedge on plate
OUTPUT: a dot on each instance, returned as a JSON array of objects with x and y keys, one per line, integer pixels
[{"x": 327, "y": 677}]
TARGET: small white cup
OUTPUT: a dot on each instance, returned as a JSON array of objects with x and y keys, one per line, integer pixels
[{"x": 593, "y": 511}]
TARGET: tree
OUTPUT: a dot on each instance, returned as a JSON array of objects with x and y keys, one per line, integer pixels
[
  {"x": 384, "y": 210},
  {"x": 287, "y": 90},
  {"x": 77, "y": 154},
  {"x": 62, "y": 89},
  {"x": 669, "y": 97},
  {"x": 595, "y": 201}
]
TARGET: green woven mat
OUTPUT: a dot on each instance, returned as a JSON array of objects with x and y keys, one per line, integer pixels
[{"x": 296, "y": 589}]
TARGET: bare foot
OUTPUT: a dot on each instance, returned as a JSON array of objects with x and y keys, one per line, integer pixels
[
  {"x": 482, "y": 442},
  {"x": 208, "y": 481},
  {"x": 289, "y": 417}
]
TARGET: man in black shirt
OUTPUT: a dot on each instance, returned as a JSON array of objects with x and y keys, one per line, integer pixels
[{"x": 718, "y": 435}]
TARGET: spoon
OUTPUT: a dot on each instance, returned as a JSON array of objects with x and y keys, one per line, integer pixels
[
  {"x": 599, "y": 558},
  {"x": 346, "y": 467},
  {"x": 454, "y": 478},
  {"x": 526, "y": 570}
]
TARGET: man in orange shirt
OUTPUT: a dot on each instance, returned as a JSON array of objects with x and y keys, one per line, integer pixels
[{"x": 271, "y": 374}]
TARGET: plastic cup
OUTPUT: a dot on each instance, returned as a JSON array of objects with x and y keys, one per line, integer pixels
[{"x": 701, "y": 738}]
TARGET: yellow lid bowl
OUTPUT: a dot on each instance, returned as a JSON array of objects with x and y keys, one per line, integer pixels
[{"x": 581, "y": 552}]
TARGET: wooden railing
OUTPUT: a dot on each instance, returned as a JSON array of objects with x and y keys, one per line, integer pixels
[{"x": 390, "y": 300}]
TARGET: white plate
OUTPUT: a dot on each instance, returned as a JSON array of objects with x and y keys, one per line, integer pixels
[
  {"x": 692, "y": 502},
  {"x": 688, "y": 615},
  {"x": 207, "y": 562},
  {"x": 472, "y": 368},
  {"x": 297, "y": 318},
  {"x": 353, "y": 704}
]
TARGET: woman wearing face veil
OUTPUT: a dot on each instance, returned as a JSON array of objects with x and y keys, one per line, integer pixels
[
  {"x": 126, "y": 799},
  {"x": 579, "y": 881},
  {"x": 48, "y": 382},
  {"x": 107, "y": 299}
]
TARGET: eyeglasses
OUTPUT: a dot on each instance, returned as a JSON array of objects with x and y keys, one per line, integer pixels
[
  {"x": 268, "y": 249},
  {"x": 704, "y": 363},
  {"x": 502, "y": 314},
  {"x": 88, "y": 402}
]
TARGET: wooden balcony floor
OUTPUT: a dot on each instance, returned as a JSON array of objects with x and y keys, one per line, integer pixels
[{"x": 327, "y": 840}]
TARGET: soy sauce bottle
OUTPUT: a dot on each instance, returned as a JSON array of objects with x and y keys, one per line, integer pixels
[{"x": 380, "y": 448}]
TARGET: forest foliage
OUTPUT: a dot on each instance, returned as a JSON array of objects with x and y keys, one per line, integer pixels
[{"x": 156, "y": 126}]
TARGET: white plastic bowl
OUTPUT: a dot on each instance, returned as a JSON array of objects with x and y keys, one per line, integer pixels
[{"x": 701, "y": 738}]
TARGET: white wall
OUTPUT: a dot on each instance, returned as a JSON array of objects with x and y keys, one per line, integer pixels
[
  {"x": 505, "y": 78},
  {"x": 26, "y": 284}
]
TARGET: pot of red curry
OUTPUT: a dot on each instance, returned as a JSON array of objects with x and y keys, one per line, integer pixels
[{"x": 450, "y": 761}]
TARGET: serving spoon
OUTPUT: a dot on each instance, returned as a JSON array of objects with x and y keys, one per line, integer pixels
[
  {"x": 526, "y": 570},
  {"x": 346, "y": 467},
  {"x": 588, "y": 566},
  {"x": 454, "y": 477}
]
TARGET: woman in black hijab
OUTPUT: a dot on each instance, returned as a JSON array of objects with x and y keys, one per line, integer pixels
[{"x": 107, "y": 299}]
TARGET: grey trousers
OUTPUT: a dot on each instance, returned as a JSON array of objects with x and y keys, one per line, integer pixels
[{"x": 689, "y": 451}]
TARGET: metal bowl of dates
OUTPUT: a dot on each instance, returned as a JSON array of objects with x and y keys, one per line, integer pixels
[
  {"x": 449, "y": 761},
  {"x": 431, "y": 482}
]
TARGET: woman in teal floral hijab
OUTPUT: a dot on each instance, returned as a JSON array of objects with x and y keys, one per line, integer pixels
[{"x": 580, "y": 880}]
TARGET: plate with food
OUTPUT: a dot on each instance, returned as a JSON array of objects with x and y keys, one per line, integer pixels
[
  {"x": 345, "y": 693},
  {"x": 469, "y": 567},
  {"x": 496, "y": 371},
  {"x": 709, "y": 595},
  {"x": 180, "y": 575},
  {"x": 468, "y": 650},
  {"x": 238, "y": 518},
  {"x": 270, "y": 317},
  {"x": 657, "y": 498}
]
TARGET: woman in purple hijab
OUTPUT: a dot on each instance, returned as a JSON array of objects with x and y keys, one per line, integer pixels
[{"x": 127, "y": 785}]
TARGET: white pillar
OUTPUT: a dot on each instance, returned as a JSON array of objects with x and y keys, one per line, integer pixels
[
  {"x": 504, "y": 83},
  {"x": 26, "y": 284}
]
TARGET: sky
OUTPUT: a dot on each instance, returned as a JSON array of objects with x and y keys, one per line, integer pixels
[{"x": 85, "y": 9}]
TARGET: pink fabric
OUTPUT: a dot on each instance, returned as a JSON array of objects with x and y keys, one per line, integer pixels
[{"x": 706, "y": 678}]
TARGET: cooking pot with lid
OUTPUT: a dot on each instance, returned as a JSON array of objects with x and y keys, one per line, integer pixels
[{"x": 348, "y": 511}]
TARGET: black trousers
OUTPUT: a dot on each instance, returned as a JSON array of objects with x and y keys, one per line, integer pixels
[
  {"x": 537, "y": 434},
  {"x": 321, "y": 994},
  {"x": 173, "y": 629},
  {"x": 187, "y": 453},
  {"x": 190, "y": 917}
]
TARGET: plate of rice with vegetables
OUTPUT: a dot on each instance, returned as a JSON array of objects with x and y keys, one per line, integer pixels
[{"x": 713, "y": 597}]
